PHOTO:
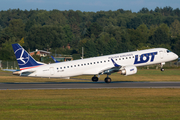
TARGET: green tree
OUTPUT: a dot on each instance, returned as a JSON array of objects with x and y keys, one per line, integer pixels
[
  {"x": 175, "y": 28},
  {"x": 95, "y": 29},
  {"x": 144, "y": 32},
  {"x": 176, "y": 45},
  {"x": 90, "y": 49},
  {"x": 17, "y": 28},
  {"x": 6, "y": 52},
  {"x": 144, "y": 10},
  {"x": 135, "y": 37},
  {"x": 161, "y": 35},
  {"x": 134, "y": 23}
]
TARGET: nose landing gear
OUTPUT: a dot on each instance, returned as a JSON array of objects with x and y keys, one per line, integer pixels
[{"x": 162, "y": 69}]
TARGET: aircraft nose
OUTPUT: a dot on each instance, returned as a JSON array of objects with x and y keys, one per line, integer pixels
[{"x": 176, "y": 56}]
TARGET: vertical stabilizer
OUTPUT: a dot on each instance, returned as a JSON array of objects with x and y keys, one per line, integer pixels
[
  {"x": 25, "y": 61},
  {"x": 55, "y": 60}
]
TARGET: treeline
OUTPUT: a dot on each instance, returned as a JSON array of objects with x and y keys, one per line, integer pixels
[{"x": 100, "y": 33}]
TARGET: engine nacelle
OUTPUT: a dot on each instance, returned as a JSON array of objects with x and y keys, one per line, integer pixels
[{"x": 129, "y": 70}]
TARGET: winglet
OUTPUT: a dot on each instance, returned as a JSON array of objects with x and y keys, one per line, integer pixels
[
  {"x": 25, "y": 61},
  {"x": 115, "y": 64},
  {"x": 55, "y": 60}
]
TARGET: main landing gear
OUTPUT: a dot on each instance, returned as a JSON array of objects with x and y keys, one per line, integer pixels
[
  {"x": 95, "y": 79},
  {"x": 107, "y": 79}
]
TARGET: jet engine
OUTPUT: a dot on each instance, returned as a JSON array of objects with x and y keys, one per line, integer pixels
[{"x": 129, "y": 70}]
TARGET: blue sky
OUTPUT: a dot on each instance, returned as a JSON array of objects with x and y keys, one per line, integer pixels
[{"x": 87, "y": 5}]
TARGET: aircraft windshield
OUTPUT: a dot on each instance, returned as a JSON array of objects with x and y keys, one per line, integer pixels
[{"x": 168, "y": 51}]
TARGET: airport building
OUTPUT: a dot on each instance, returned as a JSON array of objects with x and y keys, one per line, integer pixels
[{"x": 41, "y": 53}]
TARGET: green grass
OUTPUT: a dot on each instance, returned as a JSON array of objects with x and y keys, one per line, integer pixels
[{"x": 88, "y": 104}]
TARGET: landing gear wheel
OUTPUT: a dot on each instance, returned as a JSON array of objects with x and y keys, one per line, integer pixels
[
  {"x": 162, "y": 69},
  {"x": 94, "y": 79},
  {"x": 107, "y": 80}
]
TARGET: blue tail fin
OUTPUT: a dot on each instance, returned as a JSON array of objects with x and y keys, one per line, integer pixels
[
  {"x": 24, "y": 60},
  {"x": 55, "y": 60}
]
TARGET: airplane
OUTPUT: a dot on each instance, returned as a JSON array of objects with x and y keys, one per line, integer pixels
[
  {"x": 55, "y": 60},
  {"x": 126, "y": 63}
]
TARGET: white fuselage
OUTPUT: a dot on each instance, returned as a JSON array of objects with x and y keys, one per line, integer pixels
[{"x": 96, "y": 65}]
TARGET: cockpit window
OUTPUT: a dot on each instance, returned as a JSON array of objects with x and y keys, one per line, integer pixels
[{"x": 168, "y": 51}]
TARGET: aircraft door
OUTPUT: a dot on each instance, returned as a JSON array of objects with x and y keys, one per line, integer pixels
[
  {"x": 51, "y": 70},
  {"x": 161, "y": 54}
]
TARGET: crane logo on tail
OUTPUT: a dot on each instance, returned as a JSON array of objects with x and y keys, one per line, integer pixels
[{"x": 22, "y": 57}]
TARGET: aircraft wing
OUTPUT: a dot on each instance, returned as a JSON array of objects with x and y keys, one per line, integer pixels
[{"x": 110, "y": 70}]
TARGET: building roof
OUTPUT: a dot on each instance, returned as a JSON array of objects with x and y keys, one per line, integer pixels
[{"x": 42, "y": 51}]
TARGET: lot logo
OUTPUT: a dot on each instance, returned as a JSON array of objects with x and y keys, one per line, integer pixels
[
  {"x": 145, "y": 58},
  {"x": 22, "y": 57}
]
